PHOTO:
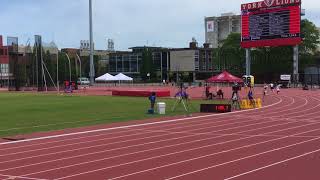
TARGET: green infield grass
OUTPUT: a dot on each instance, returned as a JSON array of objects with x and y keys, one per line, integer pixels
[{"x": 23, "y": 113}]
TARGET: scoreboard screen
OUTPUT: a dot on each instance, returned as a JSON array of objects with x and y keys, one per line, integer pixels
[{"x": 270, "y": 23}]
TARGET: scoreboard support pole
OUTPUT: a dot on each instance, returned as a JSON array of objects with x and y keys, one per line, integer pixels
[
  {"x": 248, "y": 62},
  {"x": 296, "y": 64}
]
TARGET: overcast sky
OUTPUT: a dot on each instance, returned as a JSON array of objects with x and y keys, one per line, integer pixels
[{"x": 167, "y": 23}]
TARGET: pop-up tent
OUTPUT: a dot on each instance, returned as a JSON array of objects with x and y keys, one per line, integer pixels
[
  {"x": 224, "y": 77},
  {"x": 122, "y": 77},
  {"x": 106, "y": 77}
]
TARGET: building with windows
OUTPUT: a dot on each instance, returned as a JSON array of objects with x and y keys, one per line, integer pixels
[
  {"x": 219, "y": 28},
  {"x": 131, "y": 62},
  {"x": 168, "y": 64},
  {"x": 4, "y": 63},
  {"x": 195, "y": 61}
]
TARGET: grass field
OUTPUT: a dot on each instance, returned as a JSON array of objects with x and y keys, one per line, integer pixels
[{"x": 22, "y": 113}]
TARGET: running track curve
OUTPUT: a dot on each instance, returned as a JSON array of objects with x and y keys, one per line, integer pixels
[{"x": 280, "y": 141}]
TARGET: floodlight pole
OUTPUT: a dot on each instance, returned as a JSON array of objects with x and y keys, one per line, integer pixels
[
  {"x": 69, "y": 66},
  {"x": 80, "y": 63},
  {"x": 248, "y": 62},
  {"x": 91, "y": 74},
  {"x": 296, "y": 64},
  {"x": 58, "y": 73}
]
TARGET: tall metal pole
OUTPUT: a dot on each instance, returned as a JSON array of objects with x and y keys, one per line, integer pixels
[
  {"x": 168, "y": 66},
  {"x": 80, "y": 64},
  {"x": 161, "y": 65},
  {"x": 69, "y": 66},
  {"x": 58, "y": 73},
  {"x": 296, "y": 64},
  {"x": 91, "y": 74},
  {"x": 248, "y": 62}
]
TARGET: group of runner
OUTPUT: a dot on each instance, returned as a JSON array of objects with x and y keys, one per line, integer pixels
[{"x": 273, "y": 88}]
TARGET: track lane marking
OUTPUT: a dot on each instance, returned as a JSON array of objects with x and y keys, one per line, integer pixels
[
  {"x": 136, "y": 125},
  {"x": 273, "y": 164},
  {"x": 164, "y": 155}
]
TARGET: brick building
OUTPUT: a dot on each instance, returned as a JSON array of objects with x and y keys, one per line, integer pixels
[{"x": 4, "y": 63}]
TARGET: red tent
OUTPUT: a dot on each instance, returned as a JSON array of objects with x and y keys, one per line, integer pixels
[{"x": 224, "y": 77}]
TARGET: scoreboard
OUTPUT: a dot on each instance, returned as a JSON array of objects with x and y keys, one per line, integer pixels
[{"x": 270, "y": 23}]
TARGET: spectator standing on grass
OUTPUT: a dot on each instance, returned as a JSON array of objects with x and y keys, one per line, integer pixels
[{"x": 152, "y": 99}]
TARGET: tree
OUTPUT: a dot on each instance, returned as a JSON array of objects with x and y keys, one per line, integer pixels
[
  {"x": 230, "y": 54},
  {"x": 268, "y": 63},
  {"x": 146, "y": 64},
  {"x": 311, "y": 37}
]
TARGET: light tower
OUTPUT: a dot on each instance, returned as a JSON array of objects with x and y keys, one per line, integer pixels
[{"x": 91, "y": 73}]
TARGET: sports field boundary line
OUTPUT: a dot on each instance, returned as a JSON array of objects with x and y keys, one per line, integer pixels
[{"x": 136, "y": 125}]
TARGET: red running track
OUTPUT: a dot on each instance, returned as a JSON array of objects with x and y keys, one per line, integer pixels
[{"x": 280, "y": 141}]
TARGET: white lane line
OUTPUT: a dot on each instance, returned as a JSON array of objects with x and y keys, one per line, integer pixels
[
  {"x": 8, "y": 177},
  {"x": 95, "y": 146},
  {"x": 137, "y": 125},
  {"x": 164, "y": 155},
  {"x": 297, "y": 107},
  {"x": 274, "y": 164},
  {"x": 167, "y": 165},
  {"x": 71, "y": 139},
  {"x": 117, "y": 132},
  {"x": 244, "y": 158},
  {"x": 281, "y": 107},
  {"x": 125, "y": 147},
  {"x": 232, "y": 134},
  {"x": 292, "y": 117},
  {"x": 314, "y": 107},
  {"x": 103, "y": 139}
]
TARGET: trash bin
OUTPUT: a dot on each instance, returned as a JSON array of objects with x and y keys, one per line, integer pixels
[{"x": 161, "y": 107}]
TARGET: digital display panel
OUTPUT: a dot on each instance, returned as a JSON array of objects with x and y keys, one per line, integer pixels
[{"x": 270, "y": 23}]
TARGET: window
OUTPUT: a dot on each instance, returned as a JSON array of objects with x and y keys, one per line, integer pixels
[
  {"x": 196, "y": 60},
  {"x": 139, "y": 62},
  {"x": 112, "y": 64},
  {"x": 126, "y": 64},
  {"x": 4, "y": 68},
  {"x": 119, "y": 64},
  {"x": 156, "y": 58}
]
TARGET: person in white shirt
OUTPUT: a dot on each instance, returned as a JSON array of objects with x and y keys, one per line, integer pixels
[
  {"x": 278, "y": 88},
  {"x": 272, "y": 87}
]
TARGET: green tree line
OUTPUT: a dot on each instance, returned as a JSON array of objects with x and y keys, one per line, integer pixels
[{"x": 268, "y": 63}]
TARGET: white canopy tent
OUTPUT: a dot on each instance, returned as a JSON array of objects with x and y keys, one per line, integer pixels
[
  {"x": 106, "y": 77},
  {"x": 122, "y": 77}
]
